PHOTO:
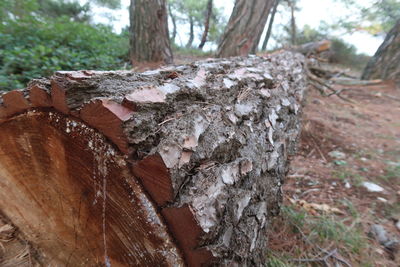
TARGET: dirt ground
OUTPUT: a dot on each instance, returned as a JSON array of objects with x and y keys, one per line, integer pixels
[{"x": 367, "y": 132}]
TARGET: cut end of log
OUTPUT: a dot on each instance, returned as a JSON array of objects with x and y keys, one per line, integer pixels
[{"x": 72, "y": 195}]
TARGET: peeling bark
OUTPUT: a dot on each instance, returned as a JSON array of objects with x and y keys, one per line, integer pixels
[{"x": 177, "y": 165}]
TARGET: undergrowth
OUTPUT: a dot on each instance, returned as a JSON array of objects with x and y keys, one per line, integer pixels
[{"x": 301, "y": 239}]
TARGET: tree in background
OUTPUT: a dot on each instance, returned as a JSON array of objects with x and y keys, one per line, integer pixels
[
  {"x": 270, "y": 24},
  {"x": 199, "y": 16},
  {"x": 149, "y": 38},
  {"x": 385, "y": 64},
  {"x": 188, "y": 12},
  {"x": 207, "y": 19},
  {"x": 245, "y": 26},
  {"x": 293, "y": 30}
]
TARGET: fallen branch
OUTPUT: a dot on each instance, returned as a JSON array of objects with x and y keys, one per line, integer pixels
[
  {"x": 347, "y": 81},
  {"x": 321, "y": 85}
]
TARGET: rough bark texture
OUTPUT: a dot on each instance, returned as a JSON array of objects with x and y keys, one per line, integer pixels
[
  {"x": 149, "y": 38},
  {"x": 245, "y": 26},
  {"x": 271, "y": 22},
  {"x": 385, "y": 63},
  {"x": 200, "y": 150},
  {"x": 206, "y": 24}
]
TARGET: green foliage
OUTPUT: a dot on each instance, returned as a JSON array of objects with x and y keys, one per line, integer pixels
[
  {"x": 55, "y": 9},
  {"x": 342, "y": 52},
  {"x": 113, "y": 4},
  {"x": 183, "y": 51},
  {"x": 377, "y": 18},
  {"x": 274, "y": 261},
  {"x": 346, "y": 54},
  {"x": 33, "y": 46},
  {"x": 326, "y": 229}
]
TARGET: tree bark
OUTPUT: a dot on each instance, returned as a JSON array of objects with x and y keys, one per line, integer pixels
[
  {"x": 245, "y": 27},
  {"x": 149, "y": 38},
  {"x": 271, "y": 23},
  {"x": 163, "y": 168},
  {"x": 191, "y": 32},
  {"x": 385, "y": 63},
  {"x": 206, "y": 24}
]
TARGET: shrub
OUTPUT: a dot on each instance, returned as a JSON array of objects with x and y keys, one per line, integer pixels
[{"x": 32, "y": 48}]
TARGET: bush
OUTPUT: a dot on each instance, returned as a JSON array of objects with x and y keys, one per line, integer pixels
[
  {"x": 341, "y": 52},
  {"x": 346, "y": 54},
  {"x": 33, "y": 48}
]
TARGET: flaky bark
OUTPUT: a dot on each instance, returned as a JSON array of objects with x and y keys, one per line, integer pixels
[
  {"x": 181, "y": 164},
  {"x": 149, "y": 38},
  {"x": 245, "y": 26},
  {"x": 385, "y": 63}
]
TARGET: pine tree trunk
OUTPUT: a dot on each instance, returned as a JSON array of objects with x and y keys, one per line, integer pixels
[
  {"x": 271, "y": 23},
  {"x": 149, "y": 38},
  {"x": 245, "y": 27},
  {"x": 191, "y": 32},
  {"x": 385, "y": 64},
  {"x": 206, "y": 24},
  {"x": 173, "y": 19},
  {"x": 171, "y": 167},
  {"x": 293, "y": 30}
]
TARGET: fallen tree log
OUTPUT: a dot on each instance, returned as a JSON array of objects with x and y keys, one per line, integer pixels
[
  {"x": 171, "y": 167},
  {"x": 312, "y": 48}
]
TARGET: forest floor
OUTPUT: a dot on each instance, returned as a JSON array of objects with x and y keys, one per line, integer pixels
[{"x": 328, "y": 211}]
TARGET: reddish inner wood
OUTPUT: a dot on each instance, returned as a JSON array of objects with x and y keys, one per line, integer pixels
[{"x": 74, "y": 198}]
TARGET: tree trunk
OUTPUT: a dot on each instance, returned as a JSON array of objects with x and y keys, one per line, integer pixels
[
  {"x": 191, "y": 32},
  {"x": 173, "y": 19},
  {"x": 149, "y": 38},
  {"x": 245, "y": 27},
  {"x": 385, "y": 63},
  {"x": 293, "y": 30},
  {"x": 162, "y": 168},
  {"x": 271, "y": 22},
  {"x": 206, "y": 24}
]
